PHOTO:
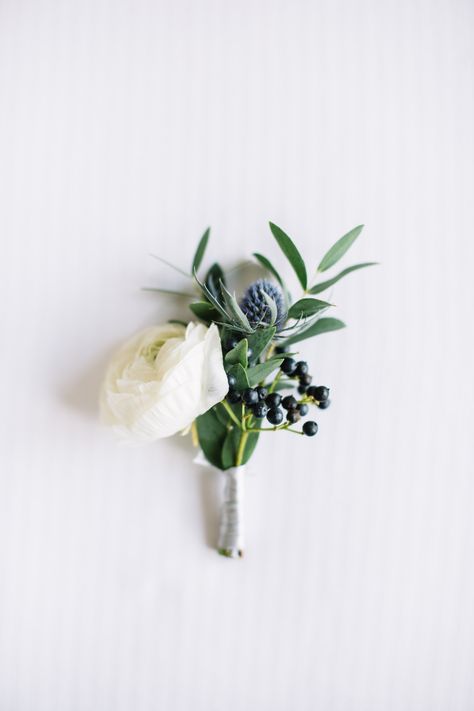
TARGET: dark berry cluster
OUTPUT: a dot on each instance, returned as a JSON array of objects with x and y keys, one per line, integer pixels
[{"x": 275, "y": 407}]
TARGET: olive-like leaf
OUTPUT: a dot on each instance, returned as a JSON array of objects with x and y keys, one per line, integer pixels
[
  {"x": 322, "y": 286},
  {"x": 290, "y": 251},
  {"x": 213, "y": 277},
  {"x": 201, "y": 248},
  {"x": 266, "y": 264},
  {"x": 322, "y": 325},
  {"x": 259, "y": 372},
  {"x": 169, "y": 291},
  {"x": 339, "y": 249},
  {"x": 204, "y": 311},
  {"x": 307, "y": 307}
]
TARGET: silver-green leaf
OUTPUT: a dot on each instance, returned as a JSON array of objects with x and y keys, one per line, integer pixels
[
  {"x": 307, "y": 307},
  {"x": 322, "y": 325},
  {"x": 339, "y": 249},
  {"x": 322, "y": 286},
  {"x": 201, "y": 248},
  {"x": 290, "y": 251}
]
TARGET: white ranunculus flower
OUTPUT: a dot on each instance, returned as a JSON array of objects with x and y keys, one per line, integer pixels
[{"x": 162, "y": 379}]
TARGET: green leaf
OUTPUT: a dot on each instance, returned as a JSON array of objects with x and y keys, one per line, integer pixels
[
  {"x": 339, "y": 249},
  {"x": 260, "y": 339},
  {"x": 235, "y": 310},
  {"x": 238, "y": 354},
  {"x": 307, "y": 307},
  {"x": 291, "y": 253},
  {"x": 211, "y": 434},
  {"x": 322, "y": 286},
  {"x": 272, "y": 306},
  {"x": 204, "y": 311},
  {"x": 266, "y": 263},
  {"x": 250, "y": 445},
  {"x": 322, "y": 325},
  {"x": 213, "y": 277},
  {"x": 240, "y": 375},
  {"x": 169, "y": 291},
  {"x": 259, "y": 372},
  {"x": 210, "y": 297},
  {"x": 201, "y": 248},
  {"x": 230, "y": 448}
]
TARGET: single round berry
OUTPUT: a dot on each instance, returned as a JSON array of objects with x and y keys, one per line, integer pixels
[
  {"x": 260, "y": 410},
  {"x": 321, "y": 393},
  {"x": 324, "y": 404},
  {"x": 273, "y": 400},
  {"x": 275, "y": 416},
  {"x": 281, "y": 349},
  {"x": 232, "y": 380},
  {"x": 311, "y": 391},
  {"x": 262, "y": 393},
  {"x": 301, "y": 368},
  {"x": 303, "y": 409},
  {"x": 288, "y": 366},
  {"x": 293, "y": 416},
  {"x": 310, "y": 428},
  {"x": 306, "y": 379},
  {"x": 231, "y": 343},
  {"x": 250, "y": 396},
  {"x": 289, "y": 402},
  {"x": 301, "y": 389},
  {"x": 233, "y": 397}
]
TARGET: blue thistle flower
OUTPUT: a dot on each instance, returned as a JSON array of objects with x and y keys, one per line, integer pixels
[{"x": 255, "y": 307}]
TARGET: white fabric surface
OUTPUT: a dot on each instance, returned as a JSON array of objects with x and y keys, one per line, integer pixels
[{"x": 126, "y": 128}]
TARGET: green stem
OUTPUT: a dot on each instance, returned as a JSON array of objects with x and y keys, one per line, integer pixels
[
  {"x": 241, "y": 450},
  {"x": 231, "y": 413},
  {"x": 275, "y": 381}
]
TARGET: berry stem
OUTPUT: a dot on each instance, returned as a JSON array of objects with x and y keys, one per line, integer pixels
[
  {"x": 231, "y": 414},
  {"x": 275, "y": 381},
  {"x": 240, "y": 451}
]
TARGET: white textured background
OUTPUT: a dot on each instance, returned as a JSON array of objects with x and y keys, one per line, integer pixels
[{"x": 127, "y": 127}]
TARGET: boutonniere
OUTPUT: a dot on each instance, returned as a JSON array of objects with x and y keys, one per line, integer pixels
[{"x": 233, "y": 373}]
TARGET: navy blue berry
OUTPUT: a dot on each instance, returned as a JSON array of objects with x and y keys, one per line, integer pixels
[
  {"x": 301, "y": 368},
  {"x": 321, "y": 393},
  {"x": 275, "y": 416},
  {"x": 262, "y": 393},
  {"x": 288, "y": 366},
  {"x": 303, "y": 409},
  {"x": 273, "y": 399},
  {"x": 293, "y": 416},
  {"x": 232, "y": 380},
  {"x": 250, "y": 396},
  {"x": 233, "y": 397},
  {"x": 310, "y": 428},
  {"x": 260, "y": 410},
  {"x": 289, "y": 402},
  {"x": 324, "y": 404}
]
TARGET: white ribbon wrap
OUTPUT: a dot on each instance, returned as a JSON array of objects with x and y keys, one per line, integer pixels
[{"x": 231, "y": 531}]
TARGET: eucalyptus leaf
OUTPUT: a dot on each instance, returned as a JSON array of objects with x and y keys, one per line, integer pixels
[
  {"x": 259, "y": 372},
  {"x": 201, "y": 248},
  {"x": 211, "y": 434},
  {"x": 307, "y": 307},
  {"x": 230, "y": 447},
  {"x": 339, "y": 249},
  {"x": 322, "y": 286},
  {"x": 290, "y": 251},
  {"x": 266, "y": 263},
  {"x": 240, "y": 375},
  {"x": 238, "y": 354},
  {"x": 322, "y": 325},
  {"x": 260, "y": 339}
]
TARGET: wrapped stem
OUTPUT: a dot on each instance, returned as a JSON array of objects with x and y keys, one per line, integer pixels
[{"x": 231, "y": 531}]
